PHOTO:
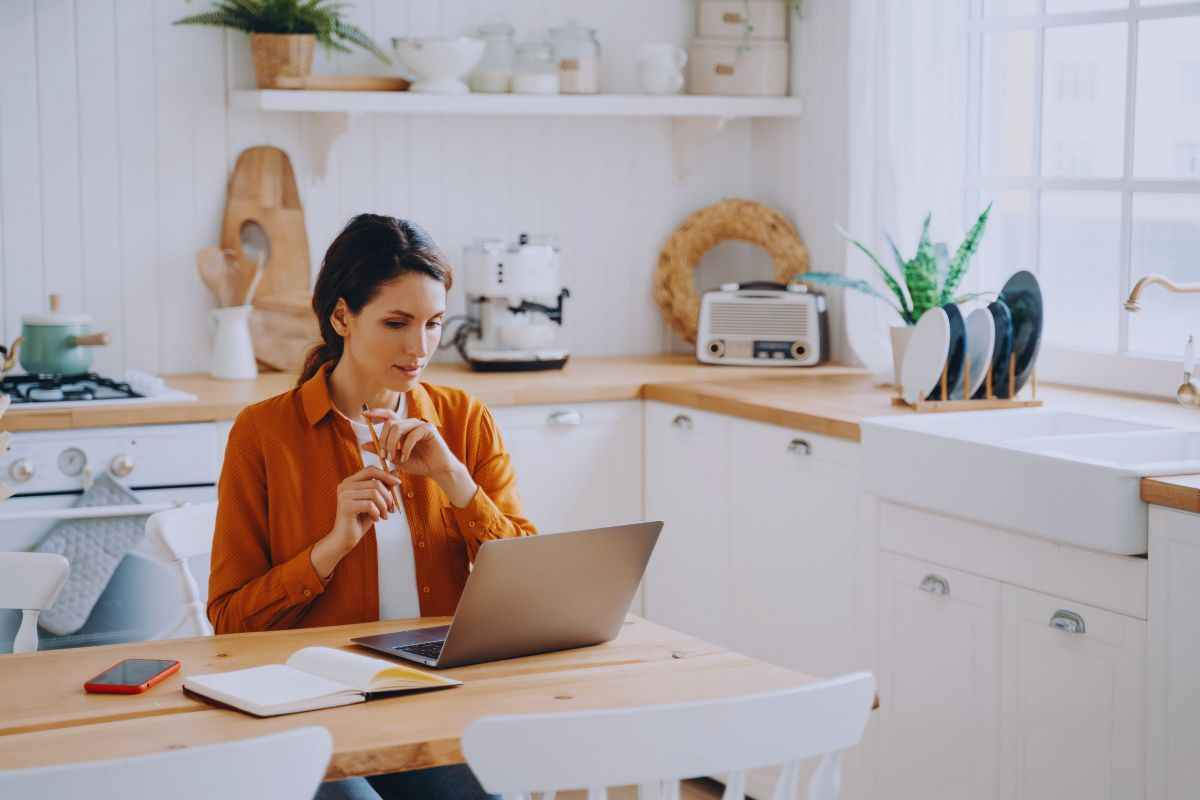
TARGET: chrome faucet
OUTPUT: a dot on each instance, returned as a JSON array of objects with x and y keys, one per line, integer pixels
[{"x": 1131, "y": 304}]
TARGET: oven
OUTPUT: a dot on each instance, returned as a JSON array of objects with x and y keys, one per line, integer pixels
[{"x": 162, "y": 465}]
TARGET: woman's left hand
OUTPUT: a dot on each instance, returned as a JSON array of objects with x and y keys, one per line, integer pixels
[{"x": 417, "y": 448}]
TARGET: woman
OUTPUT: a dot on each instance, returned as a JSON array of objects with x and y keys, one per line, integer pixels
[{"x": 310, "y": 529}]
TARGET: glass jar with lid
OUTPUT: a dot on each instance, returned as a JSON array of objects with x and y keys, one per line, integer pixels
[
  {"x": 578, "y": 58},
  {"x": 535, "y": 70},
  {"x": 493, "y": 74}
]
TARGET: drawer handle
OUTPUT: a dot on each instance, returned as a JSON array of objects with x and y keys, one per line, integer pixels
[
  {"x": 565, "y": 418},
  {"x": 732, "y": 18},
  {"x": 935, "y": 584},
  {"x": 1068, "y": 622},
  {"x": 683, "y": 422},
  {"x": 800, "y": 446},
  {"x": 723, "y": 69}
]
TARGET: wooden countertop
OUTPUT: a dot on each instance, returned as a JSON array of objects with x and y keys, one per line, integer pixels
[
  {"x": 52, "y": 721},
  {"x": 1180, "y": 492},
  {"x": 583, "y": 380}
]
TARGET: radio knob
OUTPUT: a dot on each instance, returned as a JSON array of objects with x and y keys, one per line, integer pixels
[
  {"x": 121, "y": 465},
  {"x": 21, "y": 470}
]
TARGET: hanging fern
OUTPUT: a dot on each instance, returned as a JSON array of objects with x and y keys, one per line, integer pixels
[{"x": 320, "y": 18}]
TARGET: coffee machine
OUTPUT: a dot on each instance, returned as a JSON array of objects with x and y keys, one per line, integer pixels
[{"x": 514, "y": 306}]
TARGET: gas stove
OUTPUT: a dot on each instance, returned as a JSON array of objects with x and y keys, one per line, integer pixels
[{"x": 64, "y": 388}]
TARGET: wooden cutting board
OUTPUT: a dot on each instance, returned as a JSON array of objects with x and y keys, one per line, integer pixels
[
  {"x": 263, "y": 189},
  {"x": 344, "y": 83}
]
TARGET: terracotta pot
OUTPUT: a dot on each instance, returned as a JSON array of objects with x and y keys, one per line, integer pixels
[
  {"x": 900, "y": 336},
  {"x": 281, "y": 55}
]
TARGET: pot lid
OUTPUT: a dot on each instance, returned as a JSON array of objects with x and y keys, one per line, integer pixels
[{"x": 56, "y": 317}]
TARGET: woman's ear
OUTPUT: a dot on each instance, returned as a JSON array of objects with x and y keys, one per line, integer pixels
[{"x": 340, "y": 318}]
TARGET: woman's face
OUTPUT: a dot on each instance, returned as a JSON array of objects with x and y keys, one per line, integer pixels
[{"x": 392, "y": 339}]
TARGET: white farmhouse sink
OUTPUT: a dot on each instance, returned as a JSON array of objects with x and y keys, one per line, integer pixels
[{"x": 1071, "y": 478}]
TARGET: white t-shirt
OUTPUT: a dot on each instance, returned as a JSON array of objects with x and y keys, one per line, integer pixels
[{"x": 398, "y": 598}]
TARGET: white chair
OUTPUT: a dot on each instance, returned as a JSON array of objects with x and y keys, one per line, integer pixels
[
  {"x": 654, "y": 747},
  {"x": 30, "y": 582},
  {"x": 172, "y": 537},
  {"x": 282, "y": 766}
]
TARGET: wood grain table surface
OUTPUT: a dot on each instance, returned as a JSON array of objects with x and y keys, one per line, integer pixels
[{"x": 46, "y": 717}]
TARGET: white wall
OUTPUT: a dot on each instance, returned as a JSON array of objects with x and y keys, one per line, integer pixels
[{"x": 116, "y": 143}]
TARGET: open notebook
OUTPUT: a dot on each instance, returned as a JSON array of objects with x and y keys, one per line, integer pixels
[{"x": 314, "y": 677}]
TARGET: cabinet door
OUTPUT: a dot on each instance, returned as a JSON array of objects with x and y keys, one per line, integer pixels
[
  {"x": 938, "y": 682},
  {"x": 1174, "y": 660},
  {"x": 1073, "y": 695},
  {"x": 793, "y": 547},
  {"x": 687, "y": 583},
  {"x": 579, "y": 465}
]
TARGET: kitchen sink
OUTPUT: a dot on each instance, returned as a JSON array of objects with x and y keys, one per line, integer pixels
[{"x": 1072, "y": 478}]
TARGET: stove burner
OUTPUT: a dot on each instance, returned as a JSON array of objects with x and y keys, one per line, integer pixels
[{"x": 57, "y": 388}]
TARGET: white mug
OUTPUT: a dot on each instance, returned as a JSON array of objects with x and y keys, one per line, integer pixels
[
  {"x": 233, "y": 352},
  {"x": 660, "y": 67}
]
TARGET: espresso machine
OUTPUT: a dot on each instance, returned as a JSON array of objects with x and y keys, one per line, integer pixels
[{"x": 514, "y": 306}]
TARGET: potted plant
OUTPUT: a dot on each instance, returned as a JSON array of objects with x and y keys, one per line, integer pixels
[
  {"x": 283, "y": 33},
  {"x": 929, "y": 279}
]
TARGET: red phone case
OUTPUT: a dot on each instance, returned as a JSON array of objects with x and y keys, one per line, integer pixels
[{"x": 130, "y": 688}]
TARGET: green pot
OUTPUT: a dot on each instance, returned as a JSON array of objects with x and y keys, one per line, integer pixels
[{"x": 55, "y": 343}]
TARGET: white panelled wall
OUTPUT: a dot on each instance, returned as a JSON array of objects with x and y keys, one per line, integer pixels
[{"x": 116, "y": 144}]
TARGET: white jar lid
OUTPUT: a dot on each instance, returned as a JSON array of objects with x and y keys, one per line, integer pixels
[{"x": 56, "y": 318}]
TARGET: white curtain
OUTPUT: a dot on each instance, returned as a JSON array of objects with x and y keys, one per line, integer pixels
[{"x": 908, "y": 127}]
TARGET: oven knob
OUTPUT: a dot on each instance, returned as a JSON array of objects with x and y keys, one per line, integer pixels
[
  {"x": 121, "y": 465},
  {"x": 21, "y": 470}
]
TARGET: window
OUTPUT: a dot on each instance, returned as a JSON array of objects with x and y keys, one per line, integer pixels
[{"x": 1084, "y": 134}]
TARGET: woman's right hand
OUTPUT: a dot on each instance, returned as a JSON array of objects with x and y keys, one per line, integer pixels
[{"x": 364, "y": 498}]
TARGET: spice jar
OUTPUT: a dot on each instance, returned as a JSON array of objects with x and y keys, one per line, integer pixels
[
  {"x": 493, "y": 74},
  {"x": 578, "y": 58},
  {"x": 535, "y": 70}
]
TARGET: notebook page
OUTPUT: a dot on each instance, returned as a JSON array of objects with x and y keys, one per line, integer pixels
[
  {"x": 363, "y": 673},
  {"x": 273, "y": 685}
]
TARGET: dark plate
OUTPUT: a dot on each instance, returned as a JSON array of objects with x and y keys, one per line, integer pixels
[
  {"x": 1002, "y": 319},
  {"x": 955, "y": 354},
  {"x": 1023, "y": 296}
]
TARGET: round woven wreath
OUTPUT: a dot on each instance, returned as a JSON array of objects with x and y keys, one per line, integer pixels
[{"x": 745, "y": 220}]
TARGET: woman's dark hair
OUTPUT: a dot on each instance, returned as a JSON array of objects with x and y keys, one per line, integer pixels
[{"x": 369, "y": 252}]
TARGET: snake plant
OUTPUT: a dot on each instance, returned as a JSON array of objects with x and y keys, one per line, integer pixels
[
  {"x": 930, "y": 278},
  {"x": 321, "y": 18}
]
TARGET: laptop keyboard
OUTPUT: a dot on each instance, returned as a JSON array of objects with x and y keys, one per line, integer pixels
[{"x": 426, "y": 649}]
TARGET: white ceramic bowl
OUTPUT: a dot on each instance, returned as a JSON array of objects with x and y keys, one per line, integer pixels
[{"x": 439, "y": 64}]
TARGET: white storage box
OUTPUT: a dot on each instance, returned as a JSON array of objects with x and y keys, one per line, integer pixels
[
  {"x": 727, "y": 19},
  {"x": 719, "y": 66}
]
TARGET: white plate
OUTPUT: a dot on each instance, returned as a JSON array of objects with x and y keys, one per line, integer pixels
[
  {"x": 925, "y": 357},
  {"x": 981, "y": 341}
]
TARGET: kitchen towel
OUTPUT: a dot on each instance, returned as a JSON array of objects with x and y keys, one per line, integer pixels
[{"x": 94, "y": 548}]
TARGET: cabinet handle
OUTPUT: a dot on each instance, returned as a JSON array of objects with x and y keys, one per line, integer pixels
[
  {"x": 732, "y": 18},
  {"x": 572, "y": 418},
  {"x": 800, "y": 446},
  {"x": 683, "y": 421},
  {"x": 935, "y": 584},
  {"x": 1067, "y": 622}
]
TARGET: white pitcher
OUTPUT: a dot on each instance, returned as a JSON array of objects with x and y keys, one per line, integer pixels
[
  {"x": 660, "y": 67},
  {"x": 233, "y": 352}
]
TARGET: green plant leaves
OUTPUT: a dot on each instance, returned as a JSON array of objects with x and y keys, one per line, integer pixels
[
  {"x": 962, "y": 257},
  {"x": 842, "y": 282},
  {"x": 903, "y": 309},
  {"x": 920, "y": 274}
]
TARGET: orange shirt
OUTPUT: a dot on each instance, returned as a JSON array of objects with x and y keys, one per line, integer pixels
[{"x": 278, "y": 495}]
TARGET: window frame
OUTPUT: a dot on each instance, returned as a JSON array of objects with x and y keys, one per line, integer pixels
[{"x": 1121, "y": 371}]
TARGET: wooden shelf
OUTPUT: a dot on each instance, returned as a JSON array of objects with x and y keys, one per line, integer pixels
[{"x": 610, "y": 105}]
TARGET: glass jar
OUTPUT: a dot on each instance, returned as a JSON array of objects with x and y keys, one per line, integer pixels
[
  {"x": 535, "y": 70},
  {"x": 493, "y": 74},
  {"x": 578, "y": 58}
]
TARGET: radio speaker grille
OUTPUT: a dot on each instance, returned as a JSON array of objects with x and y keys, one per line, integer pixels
[{"x": 761, "y": 320}]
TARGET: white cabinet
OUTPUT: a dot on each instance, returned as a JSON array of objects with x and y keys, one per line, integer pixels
[
  {"x": 687, "y": 487},
  {"x": 578, "y": 465},
  {"x": 793, "y": 514},
  {"x": 1174, "y": 659},
  {"x": 939, "y": 682},
  {"x": 1072, "y": 700}
]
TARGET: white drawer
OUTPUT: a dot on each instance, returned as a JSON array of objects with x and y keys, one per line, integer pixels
[
  {"x": 720, "y": 67},
  {"x": 728, "y": 19}
]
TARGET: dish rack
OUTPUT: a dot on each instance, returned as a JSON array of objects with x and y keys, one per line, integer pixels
[{"x": 987, "y": 402}]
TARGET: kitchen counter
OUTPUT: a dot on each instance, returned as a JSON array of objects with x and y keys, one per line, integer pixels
[
  {"x": 583, "y": 380},
  {"x": 1180, "y": 492}
]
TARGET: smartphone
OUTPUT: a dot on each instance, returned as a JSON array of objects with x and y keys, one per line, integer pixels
[{"x": 132, "y": 676}]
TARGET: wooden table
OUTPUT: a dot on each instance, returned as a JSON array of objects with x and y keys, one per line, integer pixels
[{"x": 47, "y": 718}]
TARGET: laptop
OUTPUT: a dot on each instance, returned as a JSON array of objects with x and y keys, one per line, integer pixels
[{"x": 535, "y": 594}]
